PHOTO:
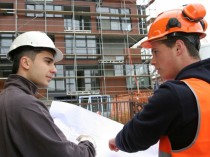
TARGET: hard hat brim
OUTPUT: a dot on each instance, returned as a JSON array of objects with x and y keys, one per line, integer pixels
[{"x": 58, "y": 55}]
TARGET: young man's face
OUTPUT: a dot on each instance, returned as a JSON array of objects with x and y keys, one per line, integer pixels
[
  {"x": 164, "y": 60},
  {"x": 42, "y": 69}
]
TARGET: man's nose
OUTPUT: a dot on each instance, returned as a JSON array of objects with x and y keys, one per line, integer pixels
[{"x": 54, "y": 70}]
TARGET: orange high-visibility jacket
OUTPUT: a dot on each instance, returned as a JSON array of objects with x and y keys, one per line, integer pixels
[{"x": 200, "y": 146}]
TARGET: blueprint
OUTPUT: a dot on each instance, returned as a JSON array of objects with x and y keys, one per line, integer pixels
[{"x": 74, "y": 121}]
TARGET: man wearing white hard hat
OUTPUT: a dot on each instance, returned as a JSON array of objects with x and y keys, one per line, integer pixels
[{"x": 26, "y": 127}]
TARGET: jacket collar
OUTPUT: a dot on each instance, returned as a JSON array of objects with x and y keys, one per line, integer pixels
[{"x": 22, "y": 83}]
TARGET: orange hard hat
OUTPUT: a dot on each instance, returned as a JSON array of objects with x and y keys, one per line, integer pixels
[{"x": 186, "y": 20}]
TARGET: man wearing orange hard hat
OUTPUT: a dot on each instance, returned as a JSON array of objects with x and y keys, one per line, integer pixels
[{"x": 177, "y": 114}]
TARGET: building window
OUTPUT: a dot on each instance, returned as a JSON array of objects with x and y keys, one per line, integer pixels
[
  {"x": 130, "y": 79},
  {"x": 78, "y": 23},
  {"x": 112, "y": 22},
  {"x": 142, "y": 73},
  {"x": 58, "y": 84},
  {"x": 5, "y": 43},
  {"x": 82, "y": 80},
  {"x": 8, "y": 9},
  {"x": 137, "y": 76},
  {"x": 126, "y": 21},
  {"x": 70, "y": 80},
  {"x": 143, "y": 26},
  {"x": 42, "y": 7},
  {"x": 142, "y": 21},
  {"x": 141, "y": 9},
  {"x": 83, "y": 46},
  {"x": 118, "y": 70}
]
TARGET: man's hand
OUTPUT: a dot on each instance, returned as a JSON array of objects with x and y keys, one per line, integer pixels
[
  {"x": 86, "y": 138},
  {"x": 112, "y": 145}
]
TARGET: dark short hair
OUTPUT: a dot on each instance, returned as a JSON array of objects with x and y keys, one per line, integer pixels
[
  {"x": 28, "y": 51},
  {"x": 191, "y": 41}
]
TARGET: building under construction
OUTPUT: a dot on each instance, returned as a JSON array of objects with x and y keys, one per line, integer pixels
[{"x": 96, "y": 38}]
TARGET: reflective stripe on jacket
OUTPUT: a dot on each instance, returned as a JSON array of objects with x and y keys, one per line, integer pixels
[{"x": 200, "y": 146}]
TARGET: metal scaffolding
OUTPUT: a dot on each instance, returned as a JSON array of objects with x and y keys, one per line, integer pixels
[{"x": 96, "y": 38}]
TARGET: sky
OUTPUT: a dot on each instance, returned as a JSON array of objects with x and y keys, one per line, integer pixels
[{"x": 162, "y": 5}]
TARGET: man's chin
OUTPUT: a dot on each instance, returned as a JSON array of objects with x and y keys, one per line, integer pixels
[{"x": 43, "y": 85}]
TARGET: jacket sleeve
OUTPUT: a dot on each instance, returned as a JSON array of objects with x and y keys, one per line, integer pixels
[
  {"x": 35, "y": 133},
  {"x": 146, "y": 127}
]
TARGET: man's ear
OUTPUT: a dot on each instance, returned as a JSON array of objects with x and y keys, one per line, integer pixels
[
  {"x": 179, "y": 47},
  {"x": 24, "y": 62}
]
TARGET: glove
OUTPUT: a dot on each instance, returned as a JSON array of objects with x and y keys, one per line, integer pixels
[{"x": 86, "y": 138}]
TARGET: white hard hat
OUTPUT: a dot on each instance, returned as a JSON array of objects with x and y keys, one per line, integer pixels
[{"x": 35, "y": 39}]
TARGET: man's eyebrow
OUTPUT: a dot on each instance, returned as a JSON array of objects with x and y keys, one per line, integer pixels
[{"x": 49, "y": 58}]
